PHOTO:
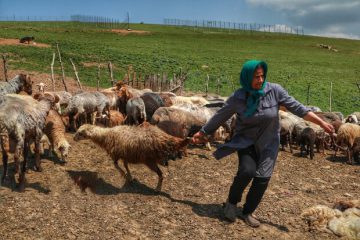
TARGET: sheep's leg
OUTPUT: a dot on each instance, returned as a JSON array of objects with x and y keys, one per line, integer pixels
[
  {"x": 116, "y": 164},
  {"x": 153, "y": 166},
  {"x": 128, "y": 174},
  {"x": 37, "y": 155},
  {"x": 349, "y": 155},
  {"x": 290, "y": 142},
  {"x": 5, "y": 163},
  {"x": 22, "y": 179}
]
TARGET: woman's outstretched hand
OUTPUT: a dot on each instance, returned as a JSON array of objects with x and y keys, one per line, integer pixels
[{"x": 199, "y": 137}]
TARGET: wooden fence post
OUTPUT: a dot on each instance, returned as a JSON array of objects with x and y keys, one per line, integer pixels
[
  {"x": 52, "y": 72},
  {"x": 5, "y": 67},
  {"x": 62, "y": 68},
  {"x": 76, "y": 74},
  {"x": 111, "y": 74},
  {"x": 207, "y": 85}
]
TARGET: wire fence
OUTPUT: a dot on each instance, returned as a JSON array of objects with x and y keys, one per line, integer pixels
[
  {"x": 222, "y": 25},
  {"x": 97, "y": 21}
]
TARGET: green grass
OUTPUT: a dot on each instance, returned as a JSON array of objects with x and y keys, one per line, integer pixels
[{"x": 294, "y": 61}]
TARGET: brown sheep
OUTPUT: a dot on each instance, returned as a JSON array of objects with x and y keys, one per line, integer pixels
[
  {"x": 346, "y": 135},
  {"x": 144, "y": 144},
  {"x": 55, "y": 131}
]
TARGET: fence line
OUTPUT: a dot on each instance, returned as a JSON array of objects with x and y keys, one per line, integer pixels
[{"x": 210, "y": 24}]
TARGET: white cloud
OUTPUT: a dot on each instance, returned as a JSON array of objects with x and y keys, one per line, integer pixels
[{"x": 332, "y": 17}]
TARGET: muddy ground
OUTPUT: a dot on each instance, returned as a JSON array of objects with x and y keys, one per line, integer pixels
[{"x": 53, "y": 206}]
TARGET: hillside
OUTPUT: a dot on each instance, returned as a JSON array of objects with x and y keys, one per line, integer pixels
[{"x": 294, "y": 61}]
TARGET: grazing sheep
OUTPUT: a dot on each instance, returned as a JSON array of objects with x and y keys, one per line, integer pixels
[
  {"x": 346, "y": 135},
  {"x": 135, "y": 111},
  {"x": 19, "y": 83},
  {"x": 144, "y": 144},
  {"x": 307, "y": 141},
  {"x": 23, "y": 119},
  {"x": 86, "y": 103},
  {"x": 55, "y": 131}
]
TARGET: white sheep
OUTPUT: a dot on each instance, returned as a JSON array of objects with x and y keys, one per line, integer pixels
[
  {"x": 22, "y": 119},
  {"x": 19, "y": 83},
  {"x": 86, "y": 103},
  {"x": 346, "y": 135}
]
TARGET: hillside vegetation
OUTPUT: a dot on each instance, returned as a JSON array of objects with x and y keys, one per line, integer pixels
[{"x": 294, "y": 61}]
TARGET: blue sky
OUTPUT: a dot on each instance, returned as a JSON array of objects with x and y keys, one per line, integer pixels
[{"x": 335, "y": 18}]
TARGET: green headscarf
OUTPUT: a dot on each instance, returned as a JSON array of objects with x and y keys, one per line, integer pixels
[{"x": 246, "y": 77}]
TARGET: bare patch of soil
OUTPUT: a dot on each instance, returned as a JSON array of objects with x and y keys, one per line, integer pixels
[
  {"x": 4, "y": 41},
  {"x": 126, "y": 32}
]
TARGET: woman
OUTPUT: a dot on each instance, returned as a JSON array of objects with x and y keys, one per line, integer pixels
[{"x": 256, "y": 136}]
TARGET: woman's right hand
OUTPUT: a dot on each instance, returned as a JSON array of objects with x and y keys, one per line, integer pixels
[{"x": 199, "y": 137}]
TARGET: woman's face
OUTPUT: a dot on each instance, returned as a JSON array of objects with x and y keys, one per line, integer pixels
[{"x": 258, "y": 78}]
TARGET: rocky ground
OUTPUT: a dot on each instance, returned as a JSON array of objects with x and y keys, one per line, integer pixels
[{"x": 53, "y": 205}]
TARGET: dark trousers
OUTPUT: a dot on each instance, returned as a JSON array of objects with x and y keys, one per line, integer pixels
[{"x": 248, "y": 163}]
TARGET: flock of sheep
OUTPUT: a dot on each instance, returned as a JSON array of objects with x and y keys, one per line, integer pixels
[
  {"x": 295, "y": 130},
  {"x": 134, "y": 126}
]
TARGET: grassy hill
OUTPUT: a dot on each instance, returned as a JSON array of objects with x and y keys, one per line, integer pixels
[{"x": 294, "y": 61}]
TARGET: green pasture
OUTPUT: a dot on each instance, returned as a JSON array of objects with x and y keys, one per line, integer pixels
[{"x": 294, "y": 61}]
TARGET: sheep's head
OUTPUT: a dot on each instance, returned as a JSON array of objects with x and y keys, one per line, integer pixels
[
  {"x": 26, "y": 83},
  {"x": 84, "y": 132},
  {"x": 64, "y": 148},
  {"x": 41, "y": 87}
]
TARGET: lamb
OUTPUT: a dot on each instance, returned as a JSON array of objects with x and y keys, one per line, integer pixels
[
  {"x": 307, "y": 141},
  {"x": 86, "y": 103},
  {"x": 135, "y": 111},
  {"x": 346, "y": 135},
  {"x": 19, "y": 83},
  {"x": 116, "y": 119},
  {"x": 55, "y": 131},
  {"x": 22, "y": 119},
  {"x": 144, "y": 144}
]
